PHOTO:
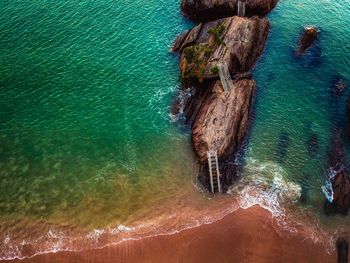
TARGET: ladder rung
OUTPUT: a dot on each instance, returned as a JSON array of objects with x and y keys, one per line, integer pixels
[{"x": 214, "y": 171}]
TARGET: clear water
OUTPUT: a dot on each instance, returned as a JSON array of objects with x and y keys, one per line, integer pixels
[
  {"x": 294, "y": 93},
  {"x": 85, "y": 91},
  {"x": 85, "y": 87}
]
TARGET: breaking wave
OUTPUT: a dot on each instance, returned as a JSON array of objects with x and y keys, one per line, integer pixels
[{"x": 263, "y": 184}]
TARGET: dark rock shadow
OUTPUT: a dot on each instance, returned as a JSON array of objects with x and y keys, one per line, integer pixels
[{"x": 282, "y": 146}]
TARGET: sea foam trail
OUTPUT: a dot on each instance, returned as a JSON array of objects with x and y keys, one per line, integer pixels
[{"x": 263, "y": 184}]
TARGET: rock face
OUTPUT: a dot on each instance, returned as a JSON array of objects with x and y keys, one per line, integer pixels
[
  {"x": 308, "y": 38},
  {"x": 214, "y": 9},
  {"x": 222, "y": 121},
  {"x": 341, "y": 197},
  {"x": 340, "y": 180},
  {"x": 341, "y": 188},
  {"x": 348, "y": 116},
  {"x": 237, "y": 41}
]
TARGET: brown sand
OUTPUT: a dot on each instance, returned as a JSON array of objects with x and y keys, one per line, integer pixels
[{"x": 247, "y": 235}]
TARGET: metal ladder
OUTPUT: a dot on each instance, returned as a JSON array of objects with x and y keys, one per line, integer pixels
[
  {"x": 225, "y": 76},
  {"x": 241, "y": 8},
  {"x": 214, "y": 172}
]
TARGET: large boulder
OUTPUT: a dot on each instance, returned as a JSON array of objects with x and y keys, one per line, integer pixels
[
  {"x": 341, "y": 189},
  {"x": 222, "y": 121},
  {"x": 204, "y": 10},
  {"x": 308, "y": 38},
  {"x": 236, "y": 41},
  {"x": 339, "y": 178}
]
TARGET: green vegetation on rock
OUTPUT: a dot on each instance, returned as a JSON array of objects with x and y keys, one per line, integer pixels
[
  {"x": 214, "y": 70},
  {"x": 196, "y": 57},
  {"x": 195, "y": 61},
  {"x": 217, "y": 32}
]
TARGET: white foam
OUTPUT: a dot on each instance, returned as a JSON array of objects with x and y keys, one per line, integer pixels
[
  {"x": 182, "y": 98},
  {"x": 95, "y": 234},
  {"x": 264, "y": 184},
  {"x": 121, "y": 228}
]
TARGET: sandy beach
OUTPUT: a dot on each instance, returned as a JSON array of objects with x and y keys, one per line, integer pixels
[{"x": 247, "y": 235}]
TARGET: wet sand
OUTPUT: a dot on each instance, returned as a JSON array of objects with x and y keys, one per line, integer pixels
[{"x": 247, "y": 235}]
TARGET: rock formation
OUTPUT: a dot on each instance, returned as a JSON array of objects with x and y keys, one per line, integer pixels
[
  {"x": 339, "y": 178},
  {"x": 215, "y": 65},
  {"x": 204, "y": 10},
  {"x": 223, "y": 120},
  {"x": 308, "y": 38},
  {"x": 236, "y": 41}
]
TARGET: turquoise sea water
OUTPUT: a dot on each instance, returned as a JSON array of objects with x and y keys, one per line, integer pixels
[
  {"x": 85, "y": 133},
  {"x": 86, "y": 140},
  {"x": 295, "y": 100}
]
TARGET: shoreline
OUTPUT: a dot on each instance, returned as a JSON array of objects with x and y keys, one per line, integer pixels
[{"x": 246, "y": 235}]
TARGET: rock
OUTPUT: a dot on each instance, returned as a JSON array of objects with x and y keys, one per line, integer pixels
[
  {"x": 175, "y": 106},
  {"x": 227, "y": 47},
  {"x": 340, "y": 179},
  {"x": 308, "y": 38},
  {"x": 204, "y": 10},
  {"x": 179, "y": 41},
  {"x": 337, "y": 86},
  {"x": 340, "y": 86},
  {"x": 341, "y": 189},
  {"x": 200, "y": 94},
  {"x": 236, "y": 41},
  {"x": 222, "y": 121},
  {"x": 336, "y": 154},
  {"x": 187, "y": 38},
  {"x": 228, "y": 171},
  {"x": 348, "y": 115},
  {"x": 342, "y": 250},
  {"x": 312, "y": 144}
]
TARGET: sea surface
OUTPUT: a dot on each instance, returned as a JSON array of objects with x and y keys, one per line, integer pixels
[{"x": 89, "y": 152}]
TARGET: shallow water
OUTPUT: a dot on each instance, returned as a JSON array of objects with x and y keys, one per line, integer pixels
[
  {"x": 87, "y": 144},
  {"x": 294, "y": 100},
  {"x": 86, "y": 139}
]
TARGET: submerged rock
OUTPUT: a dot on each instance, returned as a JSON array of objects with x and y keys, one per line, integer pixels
[
  {"x": 312, "y": 144},
  {"x": 337, "y": 86},
  {"x": 214, "y": 9},
  {"x": 340, "y": 86},
  {"x": 282, "y": 147},
  {"x": 308, "y": 38}
]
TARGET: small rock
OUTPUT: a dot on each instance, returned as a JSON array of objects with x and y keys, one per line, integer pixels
[
  {"x": 309, "y": 37},
  {"x": 342, "y": 250}
]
